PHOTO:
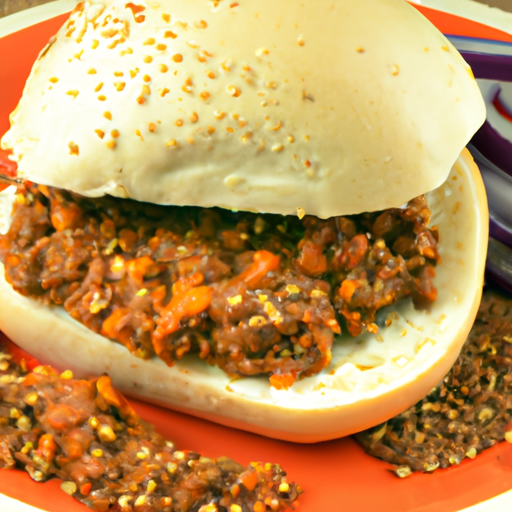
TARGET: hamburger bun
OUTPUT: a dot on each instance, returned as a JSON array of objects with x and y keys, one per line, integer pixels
[{"x": 331, "y": 109}]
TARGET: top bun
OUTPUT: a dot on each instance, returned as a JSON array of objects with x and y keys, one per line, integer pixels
[{"x": 331, "y": 107}]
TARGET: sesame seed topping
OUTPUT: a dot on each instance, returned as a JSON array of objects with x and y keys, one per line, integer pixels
[
  {"x": 166, "y": 17},
  {"x": 219, "y": 115},
  {"x": 163, "y": 92},
  {"x": 115, "y": 134},
  {"x": 146, "y": 78},
  {"x": 100, "y": 133},
  {"x": 111, "y": 144},
  {"x": 210, "y": 130},
  {"x": 134, "y": 72},
  {"x": 192, "y": 44},
  {"x": 146, "y": 90},
  {"x": 54, "y": 80},
  {"x": 205, "y": 95},
  {"x": 152, "y": 127},
  {"x": 300, "y": 40},
  {"x": 261, "y": 51},
  {"x": 229, "y": 129},
  {"x": 98, "y": 87},
  {"x": 102, "y": 97},
  {"x": 200, "y": 24},
  {"x": 246, "y": 137},
  {"x": 73, "y": 93},
  {"x": 73, "y": 149},
  {"x": 107, "y": 115},
  {"x": 171, "y": 143},
  {"x": 171, "y": 34},
  {"x": 137, "y": 132},
  {"x": 177, "y": 57},
  {"x": 119, "y": 86},
  {"x": 148, "y": 59},
  {"x": 149, "y": 41},
  {"x": 161, "y": 47},
  {"x": 233, "y": 91},
  {"x": 395, "y": 69},
  {"x": 179, "y": 122},
  {"x": 190, "y": 140},
  {"x": 95, "y": 44},
  {"x": 194, "y": 117},
  {"x": 277, "y": 148},
  {"x": 210, "y": 74}
]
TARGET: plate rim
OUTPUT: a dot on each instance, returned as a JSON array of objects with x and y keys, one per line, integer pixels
[{"x": 468, "y": 9}]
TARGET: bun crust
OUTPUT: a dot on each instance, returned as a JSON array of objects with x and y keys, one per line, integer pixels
[
  {"x": 370, "y": 379},
  {"x": 247, "y": 105}
]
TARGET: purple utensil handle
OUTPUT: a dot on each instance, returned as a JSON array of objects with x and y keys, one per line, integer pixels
[{"x": 489, "y": 66}]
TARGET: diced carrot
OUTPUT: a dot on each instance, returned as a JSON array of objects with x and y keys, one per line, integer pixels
[
  {"x": 46, "y": 447},
  {"x": 263, "y": 263},
  {"x": 110, "y": 328},
  {"x": 282, "y": 380}
]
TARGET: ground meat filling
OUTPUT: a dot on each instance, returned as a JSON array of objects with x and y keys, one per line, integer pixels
[
  {"x": 86, "y": 434},
  {"x": 252, "y": 294},
  {"x": 469, "y": 411}
]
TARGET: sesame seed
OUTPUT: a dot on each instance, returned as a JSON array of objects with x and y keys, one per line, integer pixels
[
  {"x": 163, "y": 68},
  {"x": 246, "y": 137},
  {"x": 54, "y": 80},
  {"x": 233, "y": 91},
  {"x": 111, "y": 144},
  {"x": 163, "y": 92},
  {"x": 277, "y": 147},
  {"x": 161, "y": 47},
  {"x": 124, "y": 500},
  {"x": 170, "y": 34},
  {"x": 284, "y": 487},
  {"x": 204, "y": 95},
  {"x": 395, "y": 70},
  {"x": 119, "y": 86},
  {"x": 261, "y": 51},
  {"x": 31, "y": 398},
  {"x": 115, "y": 134},
  {"x": 107, "y": 115},
  {"x": 210, "y": 130},
  {"x": 171, "y": 143},
  {"x": 179, "y": 122},
  {"x": 98, "y": 87},
  {"x": 360, "y": 49},
  {"x": 149, "y": 41},
  {"x": 210, "y": 74},
  {"x": 177, "y": 57},
  {"x": 146, "y": 90},
  {"x": 118, "y": 73},
  {"x": 140, "y": 500},
  {"x": 194, "y": 117},
  {"x": 73, "y": 93},
  {"x": 166, "y": 17},
  {"x": 102, "y": 97},
  {"x": 73, "y": 149},
  {"x": 219, "y": 115},
  {"x": 300, "y": 40},
  {"x": 148, "y": 59},
  {"x": 68, "y": 487},
  {"x": 146, "y": 78},
  {"x": 95, "y": 44}
]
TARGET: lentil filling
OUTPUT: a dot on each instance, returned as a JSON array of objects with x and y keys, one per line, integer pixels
[
  {"x": 86, "y": 433},
  {"x": 253, "y": 294},
  {"x": 469, "y": 411}
]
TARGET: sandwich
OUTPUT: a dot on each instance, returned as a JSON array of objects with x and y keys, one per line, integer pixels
[{"x": 259, "y": 215}]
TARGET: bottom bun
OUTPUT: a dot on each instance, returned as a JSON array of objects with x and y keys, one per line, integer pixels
[{"x": 370, "y": 379}]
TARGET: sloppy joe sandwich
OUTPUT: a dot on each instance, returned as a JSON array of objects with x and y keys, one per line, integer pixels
[{"x": 256, "y": 213}]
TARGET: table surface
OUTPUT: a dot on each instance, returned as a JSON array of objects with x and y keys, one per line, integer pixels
[{"x": 12, "y": 6}]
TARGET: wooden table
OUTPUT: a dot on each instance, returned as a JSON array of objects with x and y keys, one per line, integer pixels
[{"x": 11, "y": 6}]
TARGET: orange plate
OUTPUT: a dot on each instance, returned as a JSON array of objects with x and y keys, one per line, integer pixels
[{"x": 336, "y": 475}]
